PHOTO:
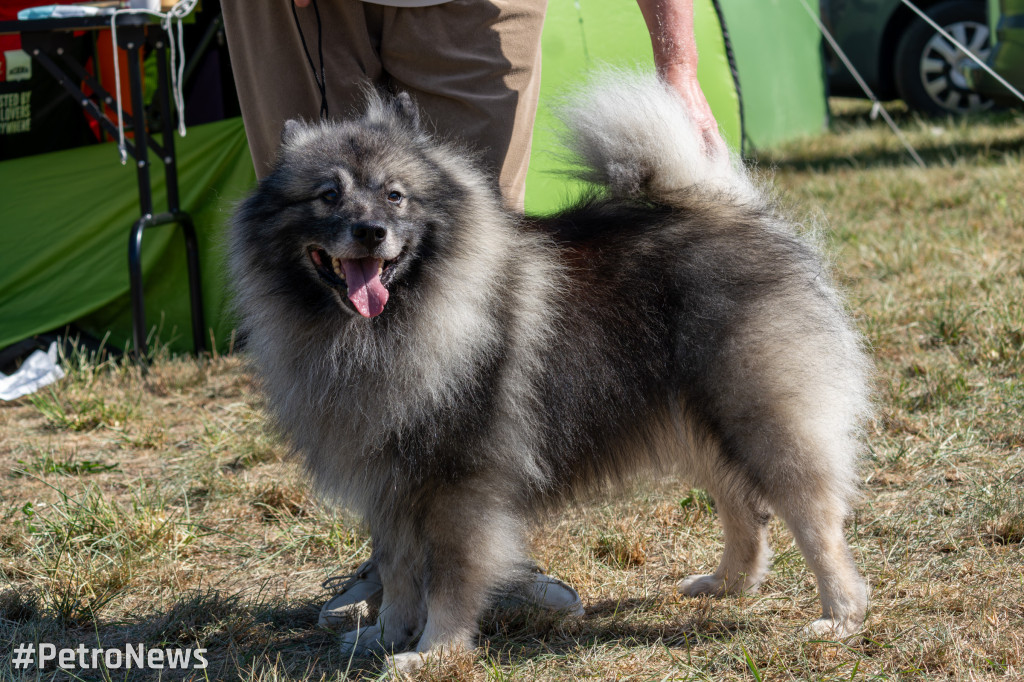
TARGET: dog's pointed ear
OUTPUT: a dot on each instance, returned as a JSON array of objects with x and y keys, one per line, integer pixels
[
  {"x": 406, "y": 109},
  {"x": 293, "y": 127}
]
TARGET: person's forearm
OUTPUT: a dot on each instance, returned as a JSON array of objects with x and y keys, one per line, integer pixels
[{"x": 670, "y": 23}]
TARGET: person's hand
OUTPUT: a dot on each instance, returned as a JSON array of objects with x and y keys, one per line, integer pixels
[
  {"x": 684, "y": 82},
  {"x": 670, "y": 23}
]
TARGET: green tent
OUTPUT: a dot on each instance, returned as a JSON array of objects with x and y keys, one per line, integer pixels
[{"x": 66, "y": 215}]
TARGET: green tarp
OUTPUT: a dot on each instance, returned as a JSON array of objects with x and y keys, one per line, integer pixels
[
  {"x": 64, "y": 231},
  {"x": 778, "y": 53},
  {"x": 65, "y": 217}
]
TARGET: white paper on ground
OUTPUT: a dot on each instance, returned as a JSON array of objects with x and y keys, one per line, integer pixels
[{"x": 39, "y": 370}]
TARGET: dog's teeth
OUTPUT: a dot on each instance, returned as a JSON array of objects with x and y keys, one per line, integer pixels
[
  {"x": 380, "y": 267},
  {"x": 336, "y": 262}
]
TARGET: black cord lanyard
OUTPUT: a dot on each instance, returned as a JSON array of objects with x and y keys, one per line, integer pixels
[{"x": 321, "y": 82}]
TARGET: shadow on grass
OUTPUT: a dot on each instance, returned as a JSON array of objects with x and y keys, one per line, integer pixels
[
  {"x": 935, "y": 153},
  {"x": 249, "y": 637},
  {"x": 244, "y": 636},
  {"x": 514, "y": 638}
]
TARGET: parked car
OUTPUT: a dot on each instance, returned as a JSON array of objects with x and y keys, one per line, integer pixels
[{"x": 900, "y": 56}]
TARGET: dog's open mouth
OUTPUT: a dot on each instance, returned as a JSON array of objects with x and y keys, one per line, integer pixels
[{"x": 362, "y": 280}]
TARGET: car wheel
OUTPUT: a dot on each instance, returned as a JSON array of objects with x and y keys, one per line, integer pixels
[{"x": 927, "y": 65}]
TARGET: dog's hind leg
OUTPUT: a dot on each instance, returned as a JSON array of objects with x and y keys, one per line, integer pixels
[
  {"x": 817, "y": 526},
  {"x": 746, "y": 556},
  {"x": 809, "y": 484}
]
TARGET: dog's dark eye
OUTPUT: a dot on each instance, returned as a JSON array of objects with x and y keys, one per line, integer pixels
[
  {"x": 395, "y": 197},
  {"x": 330, "y": 196}
]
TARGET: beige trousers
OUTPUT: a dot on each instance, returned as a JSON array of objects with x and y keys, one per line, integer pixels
[{"x": 472, "y": 66}]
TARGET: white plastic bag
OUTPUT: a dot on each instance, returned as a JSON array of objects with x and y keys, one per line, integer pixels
[{"x": 39, "y": 370}]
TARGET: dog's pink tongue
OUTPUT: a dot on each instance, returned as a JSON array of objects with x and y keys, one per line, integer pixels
[{"x": 365, "y": 291}]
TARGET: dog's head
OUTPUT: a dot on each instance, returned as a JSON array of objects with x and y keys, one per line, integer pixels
[{"x": 350, "y": 208}]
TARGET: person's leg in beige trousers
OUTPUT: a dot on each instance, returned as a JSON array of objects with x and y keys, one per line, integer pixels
[{"x": 473, "y": 67}]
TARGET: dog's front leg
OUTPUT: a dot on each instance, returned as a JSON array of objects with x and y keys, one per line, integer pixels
[
  {"x": 399, "y": 554},
  {"x": 474, "y": 545}
]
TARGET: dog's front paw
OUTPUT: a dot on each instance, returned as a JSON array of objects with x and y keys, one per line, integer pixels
[
  {"x": 362, "y": 641},
  {"x": 403, "y": 664},
  {"x": 831, "y": 628},
  {"x": 701, "y": 585}
]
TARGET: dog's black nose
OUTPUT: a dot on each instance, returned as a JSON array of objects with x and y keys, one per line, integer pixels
[{"x": 369, "y": 234}]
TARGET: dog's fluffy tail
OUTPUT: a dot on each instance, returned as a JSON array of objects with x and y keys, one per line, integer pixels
[{"x": 631, "y": 133}]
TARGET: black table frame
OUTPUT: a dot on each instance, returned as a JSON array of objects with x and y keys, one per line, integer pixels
[{"x": 48, "y": 42}]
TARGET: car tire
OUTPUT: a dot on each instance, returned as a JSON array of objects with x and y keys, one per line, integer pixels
[{"x": 925, "y": 66}]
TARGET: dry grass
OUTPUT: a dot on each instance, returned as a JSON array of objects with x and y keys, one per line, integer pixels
[{"x": 160, "y": 510}]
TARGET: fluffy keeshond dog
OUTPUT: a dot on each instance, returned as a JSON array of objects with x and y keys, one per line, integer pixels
[{"x": 451, "y": 370}]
